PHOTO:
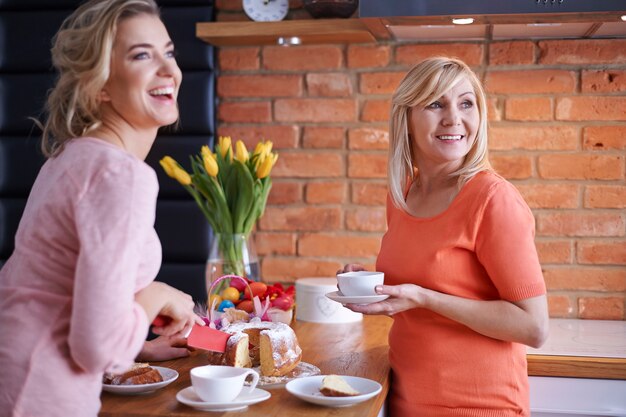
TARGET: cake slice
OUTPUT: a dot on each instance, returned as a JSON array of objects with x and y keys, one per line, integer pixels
[{"x": 336, "y": 386}]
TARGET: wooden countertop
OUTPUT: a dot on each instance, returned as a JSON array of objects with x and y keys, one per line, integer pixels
[{"x": 357, "y": 349}]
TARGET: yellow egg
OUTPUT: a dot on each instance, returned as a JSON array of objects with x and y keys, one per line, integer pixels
[
  {"x": 217, "y": 298},
  {"x": 230, "y": 294}
]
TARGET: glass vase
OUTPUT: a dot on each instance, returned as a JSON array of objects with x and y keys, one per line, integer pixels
[{"x": 231, "y": 254}]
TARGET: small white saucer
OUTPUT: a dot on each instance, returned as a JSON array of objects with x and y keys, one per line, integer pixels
[
  {"x": 189, "y": 397},
  {"x": 355, "y": 299},
  {"x": 169, "y": 376},
  {"x": 308, "y": 389}
]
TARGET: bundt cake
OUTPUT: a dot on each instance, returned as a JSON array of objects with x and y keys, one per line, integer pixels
[
  {"x": 139, "y": 373},
  {"x": 272, "y": 346},
  {"x": 336, "y": 386}
]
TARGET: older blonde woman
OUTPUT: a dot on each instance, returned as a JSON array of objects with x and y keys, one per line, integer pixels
[
  {"x": 77, "y": 295},
  {"x": 461, "y": 268}
]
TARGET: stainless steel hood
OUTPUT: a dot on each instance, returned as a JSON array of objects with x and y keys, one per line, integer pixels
[{"x": 494, "y": 19}]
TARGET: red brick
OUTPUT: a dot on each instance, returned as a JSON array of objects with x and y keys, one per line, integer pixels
[
  {"x": 323, "y": 137},
  {"x": 605, "y": 196},
  {"x": 561, "y": 306},
  {"x": 605, "y": 81},
  {"x": 238, "y": 59},
  {"x": 312, "y": 57},
  {"x": 580, "y": 223},
  {"x": 369, "y": 193},
  {"x": 354, "y": 246},
  {"x": 275, "y": 243},
  {"x": 288, "y": 269},
  {"x": 511, "y": 53},
  {"x": 376, "y": 111},
  {"x": 604, "y": 137},
  {"x": 285, "y": 193},
  {"x": 329, "y": 84},
  {"x": 494, "y": 109},
  {"x": 512, "y": 166},
  {"x": 582, "y": 51},
  {"x": 530, "y": 82},
  {"x": 601, "y": 308},
  {"x": 300, "y": 219},
  {"x": 327, "y": 192},
  {"x": 585, "y": 278},
  {"x": 554, "y": 251},
  {"x": 601, "y": 252},
  {"x": 259, "y": 86},
  {"x": 245, "y": 111},
  {"x": 581, "y": 166},
  {"x": 308, "y": 164},
  {"x": 550, "y": 195},
  {"x": 368, "y": 56},
  {"x": 283, "y": 137},
  {"x": 471, "y": 54},
  {"x": 368, "y": 139},
  {"x": 367, "y": 165},
  {"x": 315, "y": 110},
  {"x": 533, "y": 138},
  {"x": 366, "y": 219},
  {"x": 379, "y": 82},
  {"x": 528, "y": 108},
  {"x": 591, "y": 108}
]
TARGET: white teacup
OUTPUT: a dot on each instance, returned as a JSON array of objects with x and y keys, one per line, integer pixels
[
  {"x": 213, "y": 383},
  {"x": 359, "y": 283}
]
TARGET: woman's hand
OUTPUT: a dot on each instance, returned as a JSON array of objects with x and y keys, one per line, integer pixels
[
  {"x": 401, "y": 297},
  {"x": 163, "y": 348},
  {"x": 161, "y": 299},
  {"x": 351, "y": 268}
]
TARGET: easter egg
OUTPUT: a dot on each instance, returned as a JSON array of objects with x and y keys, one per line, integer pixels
[
  {"x": 246, "y": 306},
  {"x": 284, "y": 302},
  {"x": 230, "y": 294},
  {"x": 257, "y": 288},
  {"x": 239, "y": 284},
  {"x": 224, "y": 305},
  {"x": 214, "y": 298}
]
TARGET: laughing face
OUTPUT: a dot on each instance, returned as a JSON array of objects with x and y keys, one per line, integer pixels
[
  {"x": 144, "y": 80},
  {"x": 444, "y": 131}
]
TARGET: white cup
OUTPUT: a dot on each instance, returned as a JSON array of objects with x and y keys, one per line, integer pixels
[
  {"x": 359, "y": 283},
  {"x": 213, "y": 383}
]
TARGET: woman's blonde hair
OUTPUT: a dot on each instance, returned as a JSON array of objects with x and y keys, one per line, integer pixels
[
  {"x": 81, "y": 53},
  {"x": 424, "y": 83}
]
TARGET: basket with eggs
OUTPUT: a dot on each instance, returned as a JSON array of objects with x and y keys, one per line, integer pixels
[{"x": 233, "y": 298}]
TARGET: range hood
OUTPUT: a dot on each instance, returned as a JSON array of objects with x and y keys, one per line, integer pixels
[{"x": 411, "y": 20}]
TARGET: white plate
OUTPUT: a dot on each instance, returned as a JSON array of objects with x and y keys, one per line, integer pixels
[
  {"x": 308, "y": 389},
  {"x": 303, "y": 370},
  {"x": 189, "y": 397},
  {"x": 169, "y": 376},
  {"x": 355, "y": 299}
]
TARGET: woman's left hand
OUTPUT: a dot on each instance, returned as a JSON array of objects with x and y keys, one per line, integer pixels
[
  {"x": 163, "y": 348},
  {"x": 401, "y": 297}
]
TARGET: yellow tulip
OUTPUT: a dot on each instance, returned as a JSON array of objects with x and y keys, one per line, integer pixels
[
  {"x": 205, "y": 151},
  {"x": 241, "y": 152},
  {"x": 168, "y": 163},
  {"x": 182, "y": 176},
  {"x": 210, "y": 163},
  {"x": 224, "y": 145},
  {"x": 266, "y": 165}
]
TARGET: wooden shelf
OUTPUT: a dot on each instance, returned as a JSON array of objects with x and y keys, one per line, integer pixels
[{"x": 267, "y": 33}]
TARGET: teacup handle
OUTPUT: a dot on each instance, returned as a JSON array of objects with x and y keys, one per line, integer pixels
[{"x": 255, "y": 380}]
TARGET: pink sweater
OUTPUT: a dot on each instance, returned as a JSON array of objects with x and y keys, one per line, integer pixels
[{"x": 86, "y": 243}]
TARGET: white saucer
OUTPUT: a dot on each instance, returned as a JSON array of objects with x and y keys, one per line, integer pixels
[
  {"x": 308, "y": 389},
  {"x": 355, "y": 299},
  {"x": 169, "y": 376},
  {"x": 189, "y": 397}
]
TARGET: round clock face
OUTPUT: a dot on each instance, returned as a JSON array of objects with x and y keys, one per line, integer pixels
[{"x": 266, "y": 10}]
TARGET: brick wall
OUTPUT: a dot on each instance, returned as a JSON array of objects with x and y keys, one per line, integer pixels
[{"x": 557, "y": 112}]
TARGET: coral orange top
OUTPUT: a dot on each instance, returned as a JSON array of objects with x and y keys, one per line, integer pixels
[{"x": 481, "y": 247}]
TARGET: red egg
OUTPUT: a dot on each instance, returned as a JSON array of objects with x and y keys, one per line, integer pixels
[
  {"x": 238, "y": 283},
  {"x": 284, "y": 302},
  {"x": 246, "y": 305},
  {"x": 257, "y": 288}
]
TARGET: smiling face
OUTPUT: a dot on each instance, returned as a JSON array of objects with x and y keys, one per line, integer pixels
[
  {"x": 144, "y": 80},
  {"x": 444, "y": 130}
]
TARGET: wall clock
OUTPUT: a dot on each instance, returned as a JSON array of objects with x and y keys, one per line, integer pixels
[{"x": 266, "y": 10}]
